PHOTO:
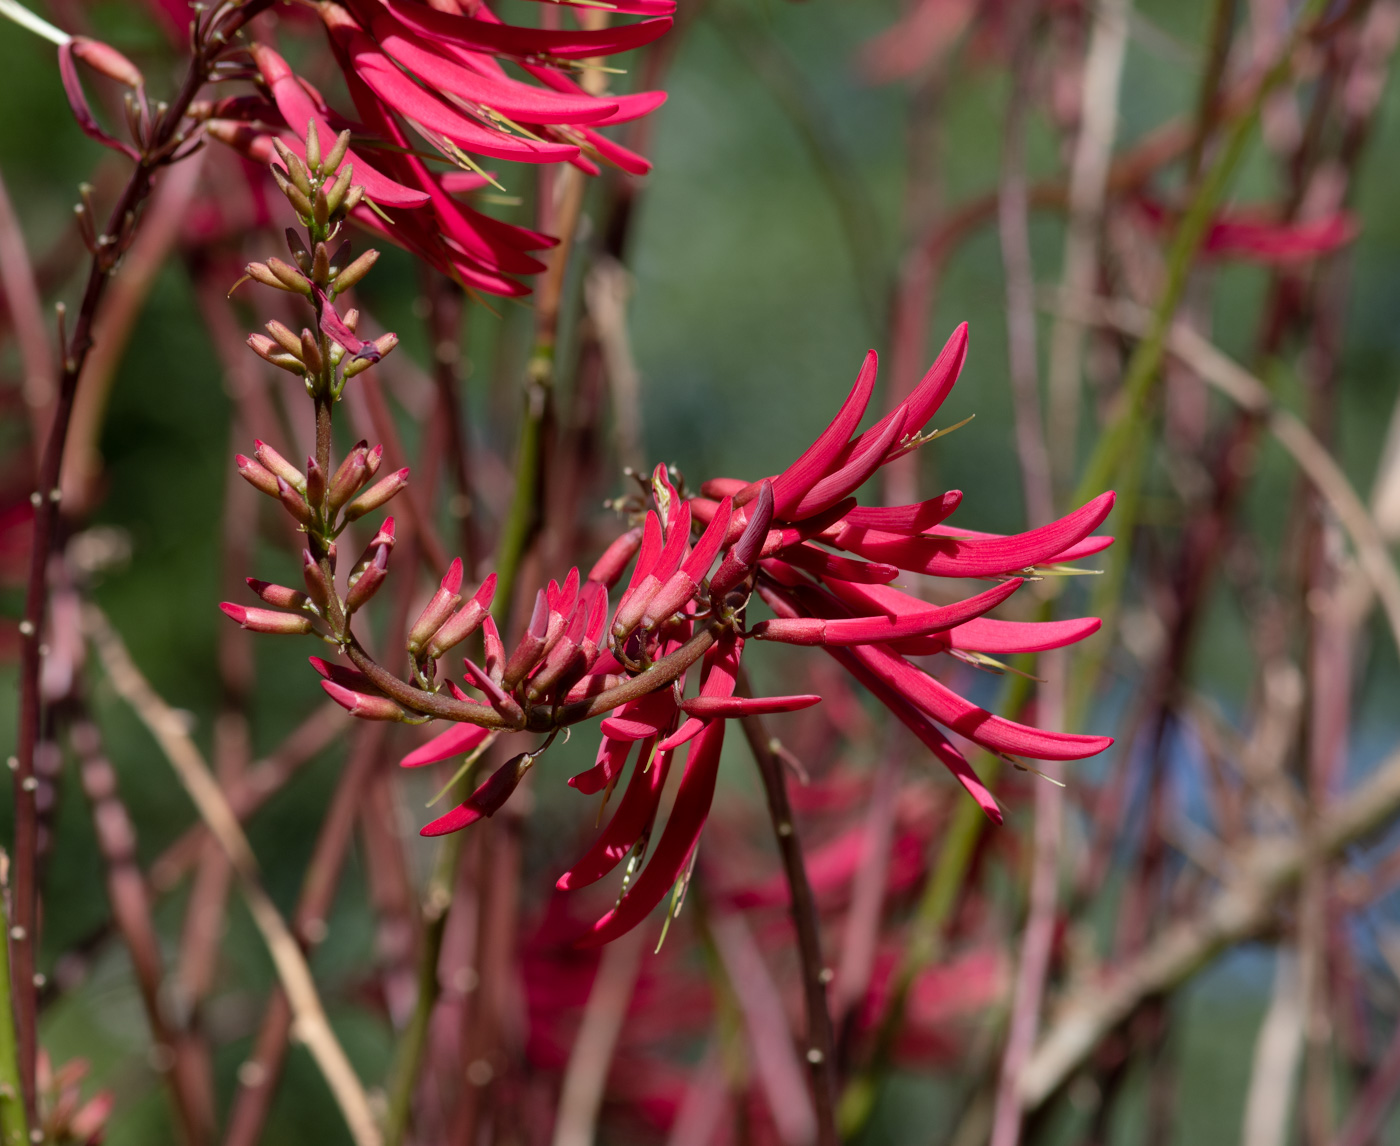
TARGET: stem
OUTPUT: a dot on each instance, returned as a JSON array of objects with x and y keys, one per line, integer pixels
[
  {"x": 821, "y": 1042},
  {"x": 118, "y": 233},
  {"x": 14, "y": 1125}
]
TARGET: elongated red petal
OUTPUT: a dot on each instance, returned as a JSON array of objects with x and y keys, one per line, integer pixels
[
  {"x": 851, "y": 476},
  {"x": 962, "y": 716},
  {"x": 906, "y": 519},
  {"x": 612, "y": 756},
  {"x": 639, "y": 719},
  {"x": 834, "y": 566},
  {"x": 458, "y": 739},
  {"x": 882, "y": 626},
  {"x": 487, "y": 800},
  {"x": 711, "y": 707},
  {"x": 298, "y": 110},
  {"x": 982, "y": 557},
  {"x": 790, "y": 486},
  {"x": 504, "y": 39},
  {"x": 927, "y": 397},
  {"x": 633, "y": 817},
  {"x": 678, "y": 840}
]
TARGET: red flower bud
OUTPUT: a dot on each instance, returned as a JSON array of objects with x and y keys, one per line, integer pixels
[
  {"x": 279, "y": 465},
  {"x": 315, "y": 484},
  {"x": 256, "y": 475},
  {"x": 293, "y": 502},
  {"x": 278, "y": 595},
  {"x": 349, "y": 476},
  {"x": 609, "y": 567},
  {"x": 366, "y": 584},
  {"x": 316, "y": 586},
  {"x": 266, "y": 620},
  {"x": 437, "y": 610},
  {"x": 361, "y": 704},
  {"x": 487, "y": 800},
  {"x": 376, "y": 495},
  {"x": 465, "y": 621},
  {"x": 107, "y": 60}
]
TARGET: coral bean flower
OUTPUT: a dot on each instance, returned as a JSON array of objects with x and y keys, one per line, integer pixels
[
  {"x": 797, "y": 540},
  {"x": 435, "y": 74},
  {"x": 823, "y": 564}
]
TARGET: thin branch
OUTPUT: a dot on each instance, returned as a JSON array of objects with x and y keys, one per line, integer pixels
[
  {"x": 821, "y": 1041},
  {"x": 26, "y": 309},
  {"x": 586, "y": 1075},
  {"x": 1247, "y": 391},
  {"x": 1263, "y": 870},
  {"x": 169, "y": 731},
  {"x": 1088, "y": 187}
]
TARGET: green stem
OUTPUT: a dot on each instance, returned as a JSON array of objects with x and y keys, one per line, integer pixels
[
  {"x": 1142, "y": 372},
  {"x": 925, "y": 939},
  {"x": 409, "y": 1055},
  {"x": 14, "y": 1125}
]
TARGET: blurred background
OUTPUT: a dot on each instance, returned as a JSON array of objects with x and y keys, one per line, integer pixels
[{"x": 829, "y": 176}]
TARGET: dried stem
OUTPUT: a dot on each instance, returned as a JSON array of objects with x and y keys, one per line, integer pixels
[
  {"x": 821, "y": 1041},
  {"x": 312, "y": 1025},
  {"x": 168, "y": 133}
]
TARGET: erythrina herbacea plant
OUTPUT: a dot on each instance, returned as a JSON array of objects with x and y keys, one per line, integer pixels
[
  {"x": 437, "y": 70},
  {"x": 797, "y": 540}
]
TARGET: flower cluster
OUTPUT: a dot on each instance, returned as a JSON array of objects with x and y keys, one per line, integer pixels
[
  {"x": 437, "y": 70},
  {"x": 801, "y": 543}
]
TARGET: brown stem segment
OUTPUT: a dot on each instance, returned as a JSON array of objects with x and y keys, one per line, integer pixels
[
  {"x": 167, "y": 140},
  {"x": 821, "y": 1042}
]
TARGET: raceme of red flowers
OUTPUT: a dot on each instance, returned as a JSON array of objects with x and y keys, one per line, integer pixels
[
  {"x": 438, "y": 71},
  {"x": 822, "y": 563}
]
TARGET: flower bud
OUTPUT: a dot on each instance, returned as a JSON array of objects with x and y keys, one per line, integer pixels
[
  {"x": 343, "y": 675},
  {"x": 279, "y": 465},
  {"x": 376, "y": 495},
  {"x": 337, "y": 153},
  {"x": 385, "y": 538},
  {"x": 107, "y": 60},
  {"x": 320, "y": 265},
  {"x": 352, "y": 199},
  {"x": 296, "y": 169},
  {"x": 293, "y": 502},
  {"x": 315, "y": 484},
  {"x": 355, "y": 271},
  {"x": 366, "y": 584},
  {"x": 320, "y": 209},
  {"x": 285, "y": 338},
  {"x": 531, "y": 648},
  {"x": 437, "y": 610},
  {"x": 266, "y": 620},
  {"x": 298, "y": 251},
  {"x": 311, "y": 352},
  {"x": 349, "y": 476},
  {"x": 372, "y": 460},
  {"x": 352, "y": 319},
  {"x": 336, "y": 193},
  {"x": 313, "y": 146},
  {"x": 316, "y": 586},
  {"x": 465, "y": 621},
  {"x": 262, "y": 273},
  {"x": 279, "y": 595},
  {"x": 494, "y": 651},
  {"x": 744, "y": 554},
  {"x": 291, "y": 278},
  {"x": 299, "y": 199},
  {"x": 362, "y": 704},
  {"x": 256, "y": 475},
  {"x": 269, "y": 351}
]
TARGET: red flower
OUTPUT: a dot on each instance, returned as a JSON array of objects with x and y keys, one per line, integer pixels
[
  {"x": 438, "y": 71},
  {"x": 799, "y": 541}
]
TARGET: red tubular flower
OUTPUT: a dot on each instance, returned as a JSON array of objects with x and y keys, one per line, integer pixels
[
  {"x": 437, "y": 70},
  {"x": 797, "y": 540}
]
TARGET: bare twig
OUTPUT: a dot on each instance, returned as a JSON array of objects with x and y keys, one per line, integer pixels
[
  {"x": 586, "y": 1075},
  {"x": 1263, "y": 870},
  {"x": 1088, "y": 186},
  {"x": 169, "y": 730},
  {"x": 821, "y": 1042},
  {"x": 183, "y": 1063},
  {"x": 1312, "y": 457},
  {"x": 26, "y": 316}
]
